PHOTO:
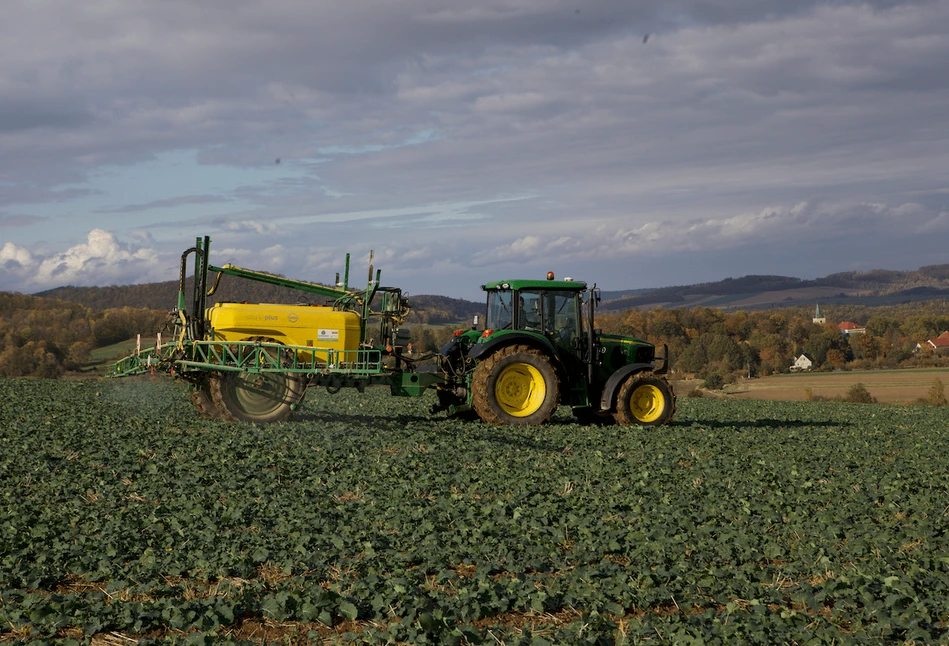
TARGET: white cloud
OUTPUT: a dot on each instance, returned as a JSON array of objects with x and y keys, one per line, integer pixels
[
  {"x": 101, "y": 259},
  {"x": 771, "y": 226},
  {"x": 16, "y": 263}
]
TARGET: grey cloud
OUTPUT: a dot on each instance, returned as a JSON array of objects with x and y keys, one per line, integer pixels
[
  {"x": 10, "y": 221},
  {"x": 729, "y": 108},
  {"x": 55, "y": 114},
  {"x": 184, "y": 200}
]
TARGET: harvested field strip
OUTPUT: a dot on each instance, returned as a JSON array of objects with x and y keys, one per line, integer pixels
[{"x": 888, "y": 386}]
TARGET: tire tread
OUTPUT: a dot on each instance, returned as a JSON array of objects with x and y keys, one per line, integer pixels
[{"x": 482, "y": 395}]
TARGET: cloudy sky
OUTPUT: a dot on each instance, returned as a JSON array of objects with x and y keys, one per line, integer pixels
[{"x": 635, "y": 143}]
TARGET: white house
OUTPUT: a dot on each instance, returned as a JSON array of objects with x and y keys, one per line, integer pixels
[{"x": 802, "y": 363}]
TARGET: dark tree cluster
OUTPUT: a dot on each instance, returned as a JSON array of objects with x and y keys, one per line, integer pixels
[{"x": 43, "y": 337}]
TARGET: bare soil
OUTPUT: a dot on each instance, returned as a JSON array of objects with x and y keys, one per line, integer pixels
[{"x": 888, "y": 386}]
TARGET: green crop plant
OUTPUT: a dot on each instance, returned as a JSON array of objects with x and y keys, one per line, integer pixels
[{"x": 125, "y": 515}]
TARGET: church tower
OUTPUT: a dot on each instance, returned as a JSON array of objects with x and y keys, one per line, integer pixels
[{"x": 820, "y": 320}]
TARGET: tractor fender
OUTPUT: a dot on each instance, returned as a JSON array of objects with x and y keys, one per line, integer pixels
[
  {"x": 479, "y": 350},
  {"x": 616, "y": 379}
]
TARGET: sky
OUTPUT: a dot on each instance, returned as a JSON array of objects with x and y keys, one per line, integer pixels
[{"x": 631, "y": 143}]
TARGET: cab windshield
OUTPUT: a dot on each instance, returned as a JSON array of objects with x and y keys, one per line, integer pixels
[{"x": 500, "y": 314}]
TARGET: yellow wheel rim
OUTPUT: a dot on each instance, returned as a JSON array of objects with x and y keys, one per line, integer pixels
[
  {"x": 647, "y": 403},
  {"x": 520, "y": 390}
]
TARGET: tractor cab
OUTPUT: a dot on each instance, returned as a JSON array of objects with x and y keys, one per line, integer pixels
[{"x": 550, "y": 309}]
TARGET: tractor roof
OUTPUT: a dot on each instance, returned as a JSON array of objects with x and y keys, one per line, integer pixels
[{"x": 504, "y": 285}]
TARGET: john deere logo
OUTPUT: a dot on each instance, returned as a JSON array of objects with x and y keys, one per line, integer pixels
[{"x": 292, "y": 318}]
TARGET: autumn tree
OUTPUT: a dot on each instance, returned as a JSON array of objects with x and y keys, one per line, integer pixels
[
  {"x": 868, "y": 346},
  {"x": 835, "y": 358},
  {"x": 819, "y": 344},
  {"x": 937, "y": 393}
]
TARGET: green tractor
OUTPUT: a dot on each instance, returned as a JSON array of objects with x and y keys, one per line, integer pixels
[{"x": 537, "y": 350}]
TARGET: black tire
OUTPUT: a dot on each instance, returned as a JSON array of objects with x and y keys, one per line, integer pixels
[
  {"x": 201, "y": 398},
  {"x": 645, "y": 400},
  {"x": 261, "y": 398},
  {"x": 516, "y": 385},
  {"x": 257, "y": 397}
]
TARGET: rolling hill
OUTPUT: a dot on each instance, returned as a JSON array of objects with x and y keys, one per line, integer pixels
[
  {"x": 429, "y": 309},
  {"x": 877, "y": 287}
]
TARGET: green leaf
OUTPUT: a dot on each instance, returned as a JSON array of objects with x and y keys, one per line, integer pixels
[{"x": 348, "y": 610}]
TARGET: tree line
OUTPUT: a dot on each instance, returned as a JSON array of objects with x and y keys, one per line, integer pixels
[
  {"x": 708, "y": 342},
  {"x": 705, "y": 341},
  {"x": 46, "y": 337}
]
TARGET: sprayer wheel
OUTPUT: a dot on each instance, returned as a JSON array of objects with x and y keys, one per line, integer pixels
[
  {"x": 260, "y": 398},
  {"x": 201, "y": 398}
]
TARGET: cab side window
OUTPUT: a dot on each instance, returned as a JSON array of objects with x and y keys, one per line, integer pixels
[{"x": 529, "y": 312}]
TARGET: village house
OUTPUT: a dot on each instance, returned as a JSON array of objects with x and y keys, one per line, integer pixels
[
  {"x": 940, "y": 343},
  {"x": 802, "y": 363},
  {"x": 849, "y": 328}
]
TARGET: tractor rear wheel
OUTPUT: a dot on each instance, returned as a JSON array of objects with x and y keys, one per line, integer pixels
[
  {"x": 515, "y": 385},
  {"x": 256, "y": 397},
  {"x": 646, "y": 400}
]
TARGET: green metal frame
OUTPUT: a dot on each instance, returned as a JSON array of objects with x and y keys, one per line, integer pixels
[{"x": 253, "y": 357}]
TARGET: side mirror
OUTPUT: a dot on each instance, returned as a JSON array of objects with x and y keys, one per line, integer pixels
[{"x": 474, "y": 323}]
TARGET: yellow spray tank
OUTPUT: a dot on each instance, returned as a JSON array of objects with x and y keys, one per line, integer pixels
[{"x": 312, "y": 326}]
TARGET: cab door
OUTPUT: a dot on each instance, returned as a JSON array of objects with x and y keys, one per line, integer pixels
[{"x": 563, "y": 327}]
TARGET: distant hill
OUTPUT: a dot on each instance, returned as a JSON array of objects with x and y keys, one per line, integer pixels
[
  {"x": 427, "y": 309},
  {"x": 436, "y": 310},
  {"x": 163, "y": 296},
  {"x": 877, "y": 287},
  {"x": 609, "y": 295}
]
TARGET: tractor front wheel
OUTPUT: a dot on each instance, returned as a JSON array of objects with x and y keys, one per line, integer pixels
[
  {"x": 646, "y": 400},
  {"x": 256, "y": 397},
  {"x": 515, "y": 385}
]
